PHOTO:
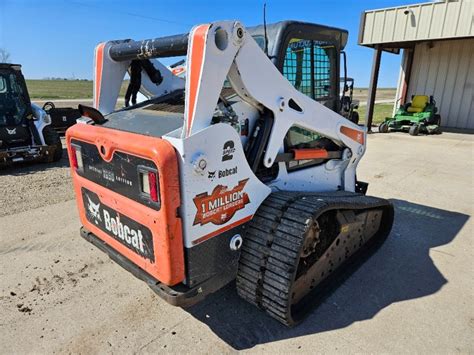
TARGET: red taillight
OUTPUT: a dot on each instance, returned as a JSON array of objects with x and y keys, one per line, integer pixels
[
  {"x": 149, "y": 184},
  {"x": 152, "y": 183},
  {"x": 76, "y": 157},
  {"x": 73, "y": 157}
]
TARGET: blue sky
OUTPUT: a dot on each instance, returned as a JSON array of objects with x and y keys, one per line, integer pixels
[{"x": 54, "y": 38}]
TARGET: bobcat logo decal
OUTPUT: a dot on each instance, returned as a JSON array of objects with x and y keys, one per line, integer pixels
[
  {"x": 93, "y": 210},
  {"x": 11, "y": 131},
  {"x": 211, "y": 175}
]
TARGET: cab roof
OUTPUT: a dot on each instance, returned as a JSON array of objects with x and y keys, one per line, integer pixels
[
  {"x": 276, "y": 31},
  {"x": 10, "y": 66}
]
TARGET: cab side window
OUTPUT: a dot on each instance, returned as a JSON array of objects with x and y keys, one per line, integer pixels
[
  {"x": 308, "y": 66},
  {"x": 3, "y": 85}
]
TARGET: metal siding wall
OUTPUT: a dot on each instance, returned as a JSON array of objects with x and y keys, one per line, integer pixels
[
  {"x": 412, "y": 22},
  {"x": 465, "y": 114},
  {"x": 431, "y": 20},
  {"x": 424, "y": 22},
  {"x": 390, "y": 20},
  {"x": 379, "y": 23},
  {"x": 400, "y": 25},
  {"x": 369, "y": 25},
  {"x": 465, "y": 26},
  {"x": 446, "y": 71},
  {"x": 441, "y": 77}
]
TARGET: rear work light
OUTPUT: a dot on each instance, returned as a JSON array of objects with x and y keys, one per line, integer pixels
[
  {"x": 76, "y": 157},
  {"x": 149, "y": 184}
]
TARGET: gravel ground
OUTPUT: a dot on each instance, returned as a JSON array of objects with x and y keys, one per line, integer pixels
[
  {"x": 29, "y": 186},
  {"x": 59, "y": 294}
]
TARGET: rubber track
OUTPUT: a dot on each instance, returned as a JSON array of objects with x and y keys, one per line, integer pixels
[{"x": 272, "y": 244}]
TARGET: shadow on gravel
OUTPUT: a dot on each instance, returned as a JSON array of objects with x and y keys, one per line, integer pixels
[
  {"x": 33, "y": 167},
  {"x": 400, "y": 270}
]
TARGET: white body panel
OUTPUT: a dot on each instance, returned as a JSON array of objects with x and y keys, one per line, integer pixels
[
  {"x": 207, "y": 145},
  {"x": 42, "y": 120}
]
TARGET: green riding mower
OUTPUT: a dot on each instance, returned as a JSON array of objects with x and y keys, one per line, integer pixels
[{"x": 418, "y": 116}]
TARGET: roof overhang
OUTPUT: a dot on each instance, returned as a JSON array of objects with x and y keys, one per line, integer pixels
[{"x": 401, "y": 27}]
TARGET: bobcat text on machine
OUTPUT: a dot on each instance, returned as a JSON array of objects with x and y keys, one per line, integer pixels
[
  {"x": 241, "y": 170},
  {"x": 26, "y": 133}
]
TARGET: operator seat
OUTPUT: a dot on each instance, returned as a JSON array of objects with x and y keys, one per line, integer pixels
[{"x": 418, "y": 104}]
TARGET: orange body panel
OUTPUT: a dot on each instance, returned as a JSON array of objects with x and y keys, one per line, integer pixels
[
  {"x": 164, "y": 224},
  {"x": 197, "y": 58},
  {"x": 304, "y": 154},
  {"x": 98, "y": 72},
  {"x": 354, "y": 134}
]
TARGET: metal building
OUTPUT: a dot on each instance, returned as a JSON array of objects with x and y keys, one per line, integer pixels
[{"x": 437, "y": 39}]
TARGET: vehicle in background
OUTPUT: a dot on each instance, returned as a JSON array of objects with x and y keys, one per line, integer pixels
[
  {"x": 418, "y": 116},
  {"x": 348, "y": 104},
  {"x": 61, "y": 117},
  {"x": 26, "y": 133}
]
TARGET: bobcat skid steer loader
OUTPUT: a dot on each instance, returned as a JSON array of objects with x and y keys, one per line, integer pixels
[
  {"x": 25, "y": 129},
  {"x": 241, "y": 170}
]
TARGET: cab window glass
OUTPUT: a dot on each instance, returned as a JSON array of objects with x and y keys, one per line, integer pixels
[
  {"x": 13, "y": 107},
  {"x": 302, "y": 138},
  {"x": 299, "y": 137},
  {"x": 308, "y": 65},
  {"x": 3, "y": 85}
]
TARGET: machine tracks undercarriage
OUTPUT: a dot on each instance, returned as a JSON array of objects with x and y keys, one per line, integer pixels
[{"x": 298, "y": 245}]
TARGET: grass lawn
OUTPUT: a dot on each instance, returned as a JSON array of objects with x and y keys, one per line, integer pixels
[
  {"x": 63, "y": 89},
  {"x": 380, "y": 112},
  {"x": 382, "y": 93},
  {"x": 59, "y": 89}
]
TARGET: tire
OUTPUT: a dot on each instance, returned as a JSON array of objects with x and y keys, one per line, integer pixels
[
  {"x": 383, "y": 128},
  {"x": 51, "y": 138},
  {"x": 414, "y": 130},
  {"x": 355, "y": 117}
]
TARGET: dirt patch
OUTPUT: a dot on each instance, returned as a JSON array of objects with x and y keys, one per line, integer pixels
[{"x": 27, "y": 186}]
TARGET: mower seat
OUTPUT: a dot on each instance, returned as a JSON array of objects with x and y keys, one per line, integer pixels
[{"x": 418, "y": 104}]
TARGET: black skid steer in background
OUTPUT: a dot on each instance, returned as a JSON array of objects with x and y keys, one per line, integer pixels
[{"x": 26, "y": 133}]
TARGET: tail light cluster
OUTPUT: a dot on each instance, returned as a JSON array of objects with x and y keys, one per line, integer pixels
[
  {"x": 104, "y": 174},
  {"x": 149, "y": 188},
  {"x": 76, "y": 157}
]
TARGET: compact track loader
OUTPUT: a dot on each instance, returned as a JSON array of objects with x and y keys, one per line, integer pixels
[
  {"x": 26, "y": 133},
  {"x": 240, "y": 170}
]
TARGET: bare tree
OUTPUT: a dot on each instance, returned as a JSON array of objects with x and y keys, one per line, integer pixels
[{"x": 4, "y": 56}]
